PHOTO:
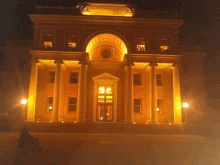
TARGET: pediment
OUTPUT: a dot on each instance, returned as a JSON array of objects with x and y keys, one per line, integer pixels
[{"x": 105, "y": 76}]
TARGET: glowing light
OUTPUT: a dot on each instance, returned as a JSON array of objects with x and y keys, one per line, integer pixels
[
  {"x": 158, "y": 123},
  {"x": 48, "y": 44},
  {"x": 38, "y": 121},
  {"x": 50, "y": 121},
  {"x": 163, "y": 48},
  {"x": 107, "y": 113},
  {"x": 74, "y": 121},
  {"x": 134, "y": 123},
  {"x": 62, "y": 121},
  {"x": 23, "y": 101},
  {"x": 108, "y": 90},
  {"x": 158, "y": 109},
  {"x": 101, "y": 90},
  {"x": 185, "y": 105},
  {"x": 146, "y": 123},
  {"x": 50, "y": 107},
  {"x": 101, "y": 118},
  {"x": 170, "y": 123}
]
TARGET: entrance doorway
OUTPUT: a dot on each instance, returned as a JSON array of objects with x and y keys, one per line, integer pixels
[{"x": 105, "y": 103}]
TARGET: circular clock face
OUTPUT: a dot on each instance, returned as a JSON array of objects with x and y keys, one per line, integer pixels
[{"x": 106, "y": 53}]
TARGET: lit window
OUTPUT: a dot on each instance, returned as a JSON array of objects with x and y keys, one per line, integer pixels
[
  {"x": 48, "y": 41},
  {"x": 159, "y": 80},
  {"x": 137, "y": 79},
  {"x": 73, "y": 78},
  {"x": 159, "y": 105},
  {"x": 72, "y": 41},
  {"x": 137, "y": 105},
  {"x": 101, "y": 89},
  {"x": 164, "y": 45},
  {"x": 51, "y": 79},
  {"x": 141, "y": 45},
  {"x": 50, "y": 104},
  {"x": 164, "y": 48},
  {"x": 72, "y": 104}
]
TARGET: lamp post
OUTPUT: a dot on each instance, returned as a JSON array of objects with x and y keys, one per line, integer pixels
[
  {"x": 185, "y": 107},
  {"x": 24, "y": 109}
]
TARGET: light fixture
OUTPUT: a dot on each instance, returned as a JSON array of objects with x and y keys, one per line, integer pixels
[
  {"x": 62, "y": 121},
  {"x": 170, "y": 123},
  {"x": 185, "y": 105},
  {"x": 134, "y": 123},
  {"x": 38, "y": 121},
  {"x": 158, "y": 109},
  {"x": 50, "y": 121},
  {"x": 146, "y": 123},
  {"x": 23, "y": 101},
  {"x": 74, "y": 121}
]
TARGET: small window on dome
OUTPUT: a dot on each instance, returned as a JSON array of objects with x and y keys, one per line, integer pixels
[{"x": 48, "y": 41}]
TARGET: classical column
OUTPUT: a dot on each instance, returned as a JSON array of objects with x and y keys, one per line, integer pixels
[
  {"x": 130, "y": 102},
  {"x": 154, "y": 115},
  {"x": 57, "y": 91},
  {"x": 176, "y": 96},
  {"x": 32, "y": 91},
  {"x": 81, "y": 100}
]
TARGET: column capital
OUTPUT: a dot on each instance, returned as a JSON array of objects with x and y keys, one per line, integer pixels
[
  {"x": 33, "y": 61},
  {"x": 176, "y": 64},
  {"x": 58, "y": 62},
  {"x": 82, "y": 62},
  {"x": 129, "y": 63},
  {"x": 153, "y": 64}
]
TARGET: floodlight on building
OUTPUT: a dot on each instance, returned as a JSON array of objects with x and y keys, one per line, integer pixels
[
  {"x": 24, "y": 101},
  {"x": 185, "y": 105}
]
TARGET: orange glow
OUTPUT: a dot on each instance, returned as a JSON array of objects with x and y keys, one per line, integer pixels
[
  {"x": 71, "y": 44},
  {"x": 164, "y": 48},
  {"x": 48, "y": 44},
  {"x": 106, "y": 41},
  {"x": 185, "y": 105},
  {"x": 107, "y": 10},
  {"x": 24, "y": 101}
]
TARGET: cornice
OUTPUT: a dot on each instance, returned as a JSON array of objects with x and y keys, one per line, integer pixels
[{"x": 61, "y": 20}]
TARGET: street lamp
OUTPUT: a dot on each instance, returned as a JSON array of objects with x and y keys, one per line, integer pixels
[
  {"x": 24, "y": 109},
  {"x": 24, "y": 101},
  {"x": 185, "y": 106}
]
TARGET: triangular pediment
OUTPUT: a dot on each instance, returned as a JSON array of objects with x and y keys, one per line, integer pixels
[{"x": 105, "y": 76}]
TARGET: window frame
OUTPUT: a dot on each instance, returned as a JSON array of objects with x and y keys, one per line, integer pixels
[
  {"x": 159, "y": 80},
  {"x": 140, "y": 106},
  {"x": 140, "y": 44},
  {"x": 160, "y": 106},
  {"x": 72, "y": 104},
  {"x": 140, "y": 80},
  {"x": 70, "y": 77},
  {"x": 49, "y": 82},
  {"x": 49, "y": 104}
]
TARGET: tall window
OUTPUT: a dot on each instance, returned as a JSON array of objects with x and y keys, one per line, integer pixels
[
  {"x": 72, "y": 104},
  {"x": 141, "y": 45},
  {"x": 137, "y": 79},
  {"x": 51, "y": 78},
  {"x": 48, "y": 41},
  {"x": 159, "y": 80},
  {"x": 50, "y": 104},
  {"x": 159, "y": 106},
  {"x": 73, "y": 78},
  {"x": 72, "y": 41},
  {"x": 137, "y": 105}
]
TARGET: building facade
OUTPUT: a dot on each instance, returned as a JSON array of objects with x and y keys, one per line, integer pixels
[{"x": 103, "y": 63}]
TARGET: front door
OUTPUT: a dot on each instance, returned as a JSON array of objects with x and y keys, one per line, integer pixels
[{"x": 105, "y": 104}]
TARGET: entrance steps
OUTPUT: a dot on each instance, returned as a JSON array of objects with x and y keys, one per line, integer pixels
[{"x": 69, "y": 127}]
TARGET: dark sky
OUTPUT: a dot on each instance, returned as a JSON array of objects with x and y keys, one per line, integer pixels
[{"x": 202, "y": 26}]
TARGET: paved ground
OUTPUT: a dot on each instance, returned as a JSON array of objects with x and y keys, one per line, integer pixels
[{"x": 114, "y": 149}]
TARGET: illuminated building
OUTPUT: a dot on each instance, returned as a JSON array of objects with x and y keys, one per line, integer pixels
[{"x": 104, "y": 63}]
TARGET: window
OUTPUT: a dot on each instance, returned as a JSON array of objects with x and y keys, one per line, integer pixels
[
  {"x": 72, "y": 41},
  {"x": 164, "y": 43},
  {"x": 137, "y": 79},
  {"x": 141, "y": 45},
  {"x": 137, "y": 105},
  {"x": 51, "y": 79},
  {"x": 73, "y": 78},
  {"x": 49, "y": 104},
  {"x": 159, "y": 80},
  {"x": 72, "y": 104},
  {"x": 48, "y": 41},
  {"x": 159, "y": 105}
]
